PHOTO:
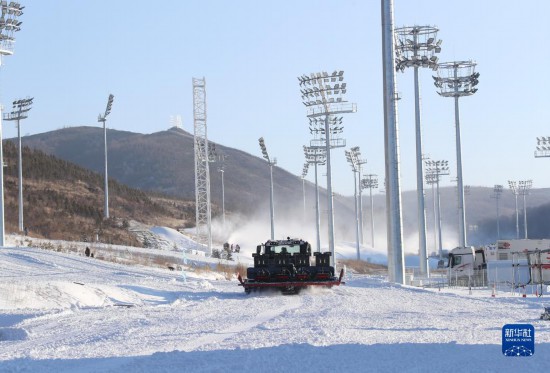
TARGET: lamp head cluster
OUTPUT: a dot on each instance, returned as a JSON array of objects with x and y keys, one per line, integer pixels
[
  {"x": 543, "y": 147},
  {"x": 322, "y": 88},
  {"x": 315, "y": 155},
  {"x": 212, "y": 154},
  {"x": 415, "y": 47},
  {"x": 20, "y": 109},
  {"x": 264, "y": 153},
  {"x": 431, "y": 178},
  {"x": 221, "y": 158},
  {"x": 434, "y": 169},
  {"x": 497, "y": 191},
  {"x": 513, "y": 185},
  {"x": 520, "y": 187},
  {"x": 317, "y": 125},
  {"x": 103, "y": 117},
  {"x": 305, "y": 169},
  {"x": 353, "y": 157},
  {"x": 456, "y": 79},
  {"x": 369, "y": 182},
  {"x": 22, "y": 106},
  {"x": 9, "y": 24},
  {"x": 525, "y": 186}
]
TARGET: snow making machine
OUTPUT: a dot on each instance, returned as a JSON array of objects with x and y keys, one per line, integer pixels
[{"x": 286, "y": 265}]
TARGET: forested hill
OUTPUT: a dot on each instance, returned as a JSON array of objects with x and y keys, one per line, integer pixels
[{"x": 64, "y": 201}]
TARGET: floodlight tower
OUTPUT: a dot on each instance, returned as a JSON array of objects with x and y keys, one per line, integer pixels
[
  {"x": 396, "y": 258},
  {"x": 351, "y": 157},
  {"x": 103, "y": 118},
  {"x": 304, "y": 174},
  {"x": 323, "y": 95},
  {"x": 436, "y": 169},
  {"x": 467, "y": 191},
  {"x": 221, "y": 169},
  {"x": 20, "y": 110},
  {"x": 416, "y": 47},
  {"x": 497, "y": 191},
  {"x": 524, "y": 188},
  {"x": 360, "y": 162},
  {"x": 9, "y": 24},
  {"x": 371, "y": 182},
  {"x": 271, "y": 163},
  {"x": 513, "y": 185},
  {"x": 316, "y": 156},
  {"x": 458, "y": 79},
  {"x": 431, "y": 180},
  {"x": 203, "y": 154}
]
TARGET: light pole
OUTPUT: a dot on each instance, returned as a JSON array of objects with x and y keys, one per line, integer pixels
[
  {"x": 458, "y": 79},
  {"x": 513, "y": 185},
  {"x": 9, "y": 24},
  {"x": 416, "y": 47},
  {"x": 103, "y": 118},
  {"x": 271, "y": 163},
  {"x": 524, "y": 188},
  {"x": 221, "y": 169},
  {"x": 543, "y": 147},
  {"x": 497, "y": 191},
  {"x": 396, "y": 257},
  {"x": 431, "y": 180},
  {"x": 467, "y": 191},
  {"x": 20, "y": 110},
  {"x": 304, "y": 174},
  {"x": 323, "y": 95},
  {"x": 437, "y": 169},
  {"x": 316, "y": 156},
  {"x": 371, "y": 182},
  {"x": 360, "y": 162},
  {"x": 353, "y": 160}
]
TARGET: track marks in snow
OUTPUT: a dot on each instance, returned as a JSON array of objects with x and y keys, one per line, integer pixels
[{"x": 291, "y": 303}]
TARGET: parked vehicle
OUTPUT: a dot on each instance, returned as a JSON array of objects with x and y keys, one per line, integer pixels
[
  {"x": 514, "y": 262},
  {"x": 466, "y": 266}
]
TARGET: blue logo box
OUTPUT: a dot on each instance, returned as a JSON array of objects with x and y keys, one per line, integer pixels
[{"x": 518, "y": 340}]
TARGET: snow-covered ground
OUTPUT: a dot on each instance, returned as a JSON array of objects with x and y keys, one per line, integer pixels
[{"x": 68, "y": 313}]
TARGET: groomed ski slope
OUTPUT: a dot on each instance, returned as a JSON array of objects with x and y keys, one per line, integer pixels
[{"x": 67, "y": 313}]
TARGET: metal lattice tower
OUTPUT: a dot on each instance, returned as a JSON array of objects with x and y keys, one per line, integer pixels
[{"x": 202, "y": 169}]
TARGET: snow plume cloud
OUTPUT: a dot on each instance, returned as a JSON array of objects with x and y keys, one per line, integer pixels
[{"x": 250, "y": 230}]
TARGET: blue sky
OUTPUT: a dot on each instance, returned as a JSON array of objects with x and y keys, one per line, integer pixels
[{"x": 71, "y": 54}]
